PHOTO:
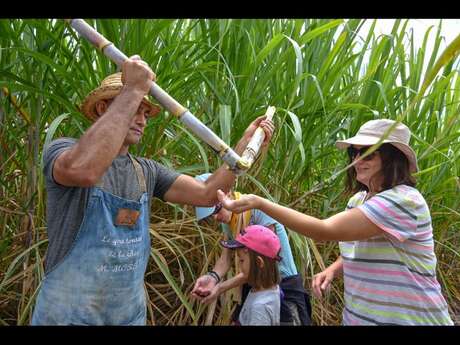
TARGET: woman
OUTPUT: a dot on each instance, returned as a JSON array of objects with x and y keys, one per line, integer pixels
[{"x": 386, "y": 238}]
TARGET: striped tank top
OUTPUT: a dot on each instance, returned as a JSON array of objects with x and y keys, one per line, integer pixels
[{"x": 390, "y": 279}]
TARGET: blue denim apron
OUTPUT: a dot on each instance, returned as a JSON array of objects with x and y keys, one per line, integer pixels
[{"x": 101, "y": 280}]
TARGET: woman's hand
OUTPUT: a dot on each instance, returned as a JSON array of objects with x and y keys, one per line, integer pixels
[
  {"x": 203, "y": 287},
  {"x": 321, "y": 282},
  {"x": 246, "y": 202}
]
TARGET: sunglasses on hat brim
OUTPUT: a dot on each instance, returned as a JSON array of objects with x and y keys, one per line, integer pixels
[{"x": 217, "y": 209}]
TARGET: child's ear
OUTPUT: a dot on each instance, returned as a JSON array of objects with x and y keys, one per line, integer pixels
[{"x": 260, "y": 262}]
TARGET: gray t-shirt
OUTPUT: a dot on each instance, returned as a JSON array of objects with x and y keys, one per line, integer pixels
[
  {"x": 261, "y": 308},
  {"x": 66, "y": 205}
]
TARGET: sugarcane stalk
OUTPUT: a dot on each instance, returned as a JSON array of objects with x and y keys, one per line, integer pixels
[
  {"x": 15, "y": 104},
  {"x": 250, "y": 153},
  {"x": 237, "y": 164}
]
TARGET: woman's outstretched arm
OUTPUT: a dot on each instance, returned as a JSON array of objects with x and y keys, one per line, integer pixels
[{"x": 350, "y": 225}]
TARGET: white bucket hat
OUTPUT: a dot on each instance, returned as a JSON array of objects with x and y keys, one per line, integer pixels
[{"x": 372, "y": 131}]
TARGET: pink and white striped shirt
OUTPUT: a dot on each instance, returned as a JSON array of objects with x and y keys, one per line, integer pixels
[{"x": 390, "y": 279}]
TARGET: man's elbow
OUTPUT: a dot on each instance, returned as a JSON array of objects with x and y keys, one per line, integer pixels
[
  {"x": 75, "y": 177},
  {"x": 88, "y": 180}
]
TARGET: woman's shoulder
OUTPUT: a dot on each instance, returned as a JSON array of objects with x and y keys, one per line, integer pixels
[
  {"x": 404, "y": 196},
  {"x": 356, "y": 199},
  {"x": 402, "y": 191}
]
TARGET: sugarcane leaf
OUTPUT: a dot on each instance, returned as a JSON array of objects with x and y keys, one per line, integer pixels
[
  {"x": 312, "y": 34},
  {"x": 166, "y": 273},
  {"x": 452, "y": 50},
  {"x": 225, "y": 120}
]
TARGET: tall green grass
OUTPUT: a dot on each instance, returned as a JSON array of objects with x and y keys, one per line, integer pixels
[{"x": 325, "y": 77}]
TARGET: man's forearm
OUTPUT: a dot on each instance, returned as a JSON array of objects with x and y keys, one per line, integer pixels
[
  {"x": 102, "y": 142},
  {"x": 223, "y": 178}
]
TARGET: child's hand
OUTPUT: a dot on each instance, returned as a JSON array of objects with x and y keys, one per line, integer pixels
[
  {"x": 203, "y": 287},
  {"x": 246, "y": 202}
]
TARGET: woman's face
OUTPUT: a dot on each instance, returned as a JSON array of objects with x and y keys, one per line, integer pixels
[
  {"x": 223, "y": 216},
  {"x": 366, "y": 169},
  {"x": 243, "y": 260}
]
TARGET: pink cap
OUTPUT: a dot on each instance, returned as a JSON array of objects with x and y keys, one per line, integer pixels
[{"x": 258, "y": 238}]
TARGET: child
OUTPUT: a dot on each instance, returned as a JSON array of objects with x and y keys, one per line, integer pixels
[
  {"x": 295, "y": 304},
  {"x": 258, "y": 250}
]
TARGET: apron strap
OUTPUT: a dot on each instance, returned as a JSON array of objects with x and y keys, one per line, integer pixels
[
  {"x": 139, "y": 173},
  {"x": 100, "y": 183}
]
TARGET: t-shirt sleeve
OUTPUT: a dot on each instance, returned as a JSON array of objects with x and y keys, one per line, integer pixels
[
  {"x": 226, "y": 231},
  {"x": 396, "y": 213},
  {"x": 260, "y": 315},
  {"x": 260, "y": 218},
  {"x": 163, "y": 178},
  {"x": 51, "y": 152},
  {"x": 355, "y": 200}
]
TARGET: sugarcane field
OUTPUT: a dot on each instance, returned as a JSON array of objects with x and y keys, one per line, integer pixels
[{"x": 229, "y": 172}]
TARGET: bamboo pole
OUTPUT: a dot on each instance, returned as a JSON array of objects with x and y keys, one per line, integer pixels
[{"x": 237, "y": 164}]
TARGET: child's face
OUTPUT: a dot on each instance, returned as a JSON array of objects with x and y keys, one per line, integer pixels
[
  {"x": 223, "y": 216},
  {"x": 243, "y": 258}
]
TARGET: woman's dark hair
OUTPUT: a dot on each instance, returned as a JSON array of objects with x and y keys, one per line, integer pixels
[
  {"x": 395, "y": 170},
  {"x": 267, "y": 276}
]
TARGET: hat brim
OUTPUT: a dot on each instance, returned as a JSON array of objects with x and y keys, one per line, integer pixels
[
  {"x": 88, "y": 107},
  {"x": 204, "y": 212},
  {"x": 231, "y": 244},
  {"x": 234, "y": 244},
  {"x": 357, "y": 140},
  {"x": 409, "y": 153},
  {"x": 365, "y": 140}
]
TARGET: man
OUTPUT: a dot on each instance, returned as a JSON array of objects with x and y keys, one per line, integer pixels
[
  {"x": 98, "y": 206},
  {"x": 295, "y": 302}
]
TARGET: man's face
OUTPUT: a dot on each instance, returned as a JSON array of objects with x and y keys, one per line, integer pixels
[{"x": 137, "y": 126}]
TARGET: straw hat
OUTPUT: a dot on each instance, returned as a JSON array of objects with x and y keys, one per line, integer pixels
[
  {"x": 110, "y": 87},
  {"x": 371, "y": 132}
]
